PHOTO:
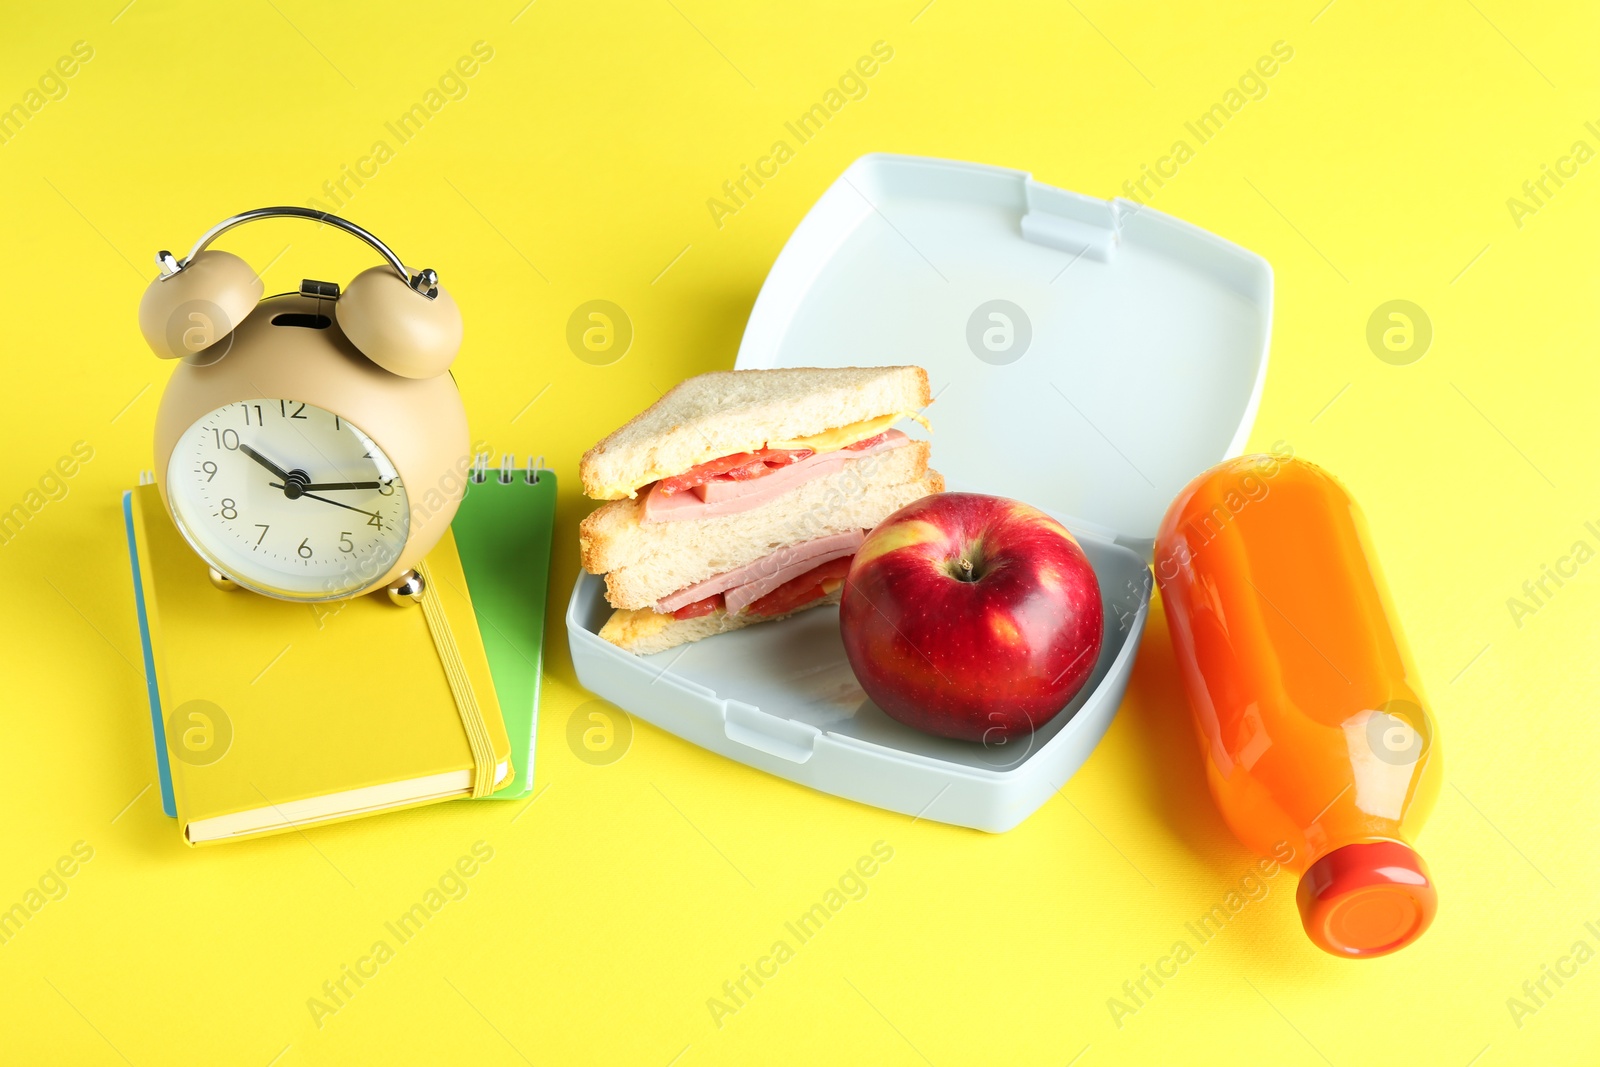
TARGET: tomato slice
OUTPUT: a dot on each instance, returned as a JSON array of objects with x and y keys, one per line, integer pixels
[
  {"x": 814, "y": 584},
  {"x": 739, "y": 467},
  {"x": 769, "y": 460},
  {"x": 868, "y": 442},
  {"x": 699, "y": 607}
]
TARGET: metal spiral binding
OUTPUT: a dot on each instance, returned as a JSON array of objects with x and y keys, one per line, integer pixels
[
  {"x": 508, "y": 463},
  {"x": 147, "y": 477}
]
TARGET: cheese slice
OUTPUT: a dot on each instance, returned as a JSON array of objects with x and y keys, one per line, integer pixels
[
  {"x": 845, "y": 436},
  {"x": 626, "y": 627}
]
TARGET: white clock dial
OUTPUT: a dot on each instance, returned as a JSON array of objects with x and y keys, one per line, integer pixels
[{"x": 288, "y": 499}]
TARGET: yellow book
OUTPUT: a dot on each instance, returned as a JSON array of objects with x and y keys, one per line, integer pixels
[{"x": 281, "y": 716}]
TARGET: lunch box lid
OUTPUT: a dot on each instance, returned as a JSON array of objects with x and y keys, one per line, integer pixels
[{"x": 1086, "y": 356}]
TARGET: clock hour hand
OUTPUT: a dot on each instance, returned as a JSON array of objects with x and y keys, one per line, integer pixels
[
  {"x": 292, "y": 494},
  {"x": 325, "y": 486},
  {"x": 265, "y": 462}
]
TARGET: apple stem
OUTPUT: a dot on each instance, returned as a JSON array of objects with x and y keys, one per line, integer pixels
[{"x": 965, "y": 566}]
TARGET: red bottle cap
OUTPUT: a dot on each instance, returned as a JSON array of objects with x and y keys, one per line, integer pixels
[{"x": 1367, "y": 899}]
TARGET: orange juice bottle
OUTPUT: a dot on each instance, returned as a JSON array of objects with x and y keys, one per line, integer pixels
[{"x": 1310, "y": 714}]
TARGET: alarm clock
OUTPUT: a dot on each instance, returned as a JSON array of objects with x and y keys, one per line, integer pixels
[{"x": 312, "y": 445}]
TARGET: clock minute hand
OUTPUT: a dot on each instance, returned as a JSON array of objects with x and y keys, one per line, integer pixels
[
  {"x": 265, "y": 462},
  {"x": 325, "y": 486},
  {"x": 328, "y": 500}
]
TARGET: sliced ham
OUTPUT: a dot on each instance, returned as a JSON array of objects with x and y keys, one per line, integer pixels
[
  {"x": 729, "y": 496},
  {"x": 744, "y": 585}
]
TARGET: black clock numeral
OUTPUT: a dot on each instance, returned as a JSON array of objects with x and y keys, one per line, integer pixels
[
  {"x": 345, "y": 544},
  {"x": 247, "y": 408},
  {"x": 375, "y": 520},
  {"x": 305, "y": 549},
  {"x": 283, "y": 409},
  {"x": 387, "y": 488},
  {"x": 209, "y": 469},
  {"x": 336, "y": 425},
  {"x": 264, "y": 528},
  {"x": 230, "y": 510},
  {"x": 228, "y": 439}
]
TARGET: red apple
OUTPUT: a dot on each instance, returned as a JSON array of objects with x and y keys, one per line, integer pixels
[{"x": 971, "y": 616}]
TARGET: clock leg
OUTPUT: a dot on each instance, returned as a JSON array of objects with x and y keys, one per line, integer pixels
[
  {"x": 407, "y": 589},
  {"x": 222, "y": 581}
]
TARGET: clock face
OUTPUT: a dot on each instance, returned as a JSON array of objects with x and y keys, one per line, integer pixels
[{"x": 288, "y": 499}]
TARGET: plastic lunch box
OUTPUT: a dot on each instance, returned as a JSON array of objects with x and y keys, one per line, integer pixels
[{"x": 1089, "y": 357}]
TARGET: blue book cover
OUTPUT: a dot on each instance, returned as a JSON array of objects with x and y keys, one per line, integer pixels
[{"x": 157, "y": 728}]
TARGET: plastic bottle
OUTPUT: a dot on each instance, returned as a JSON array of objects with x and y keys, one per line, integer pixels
[{"x": 1311, "y": 717}]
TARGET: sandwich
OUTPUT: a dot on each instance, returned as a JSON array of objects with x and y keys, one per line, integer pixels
[{"x": 740, "y": 496}]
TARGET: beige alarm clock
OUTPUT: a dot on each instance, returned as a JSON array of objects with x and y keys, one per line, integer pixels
[{"x": 310, "y": 446}]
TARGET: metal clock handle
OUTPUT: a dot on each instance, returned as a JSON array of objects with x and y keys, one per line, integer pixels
[{"x": 424, "y": 281}]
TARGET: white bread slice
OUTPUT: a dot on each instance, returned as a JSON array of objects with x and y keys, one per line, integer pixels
[
  {"x": 644, "y": 561},
  {"x": 726, "y": 412},
  {"x": 644, "y": 632}
]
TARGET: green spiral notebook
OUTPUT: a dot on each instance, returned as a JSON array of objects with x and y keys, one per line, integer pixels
[{"x": 503, "y": 533}]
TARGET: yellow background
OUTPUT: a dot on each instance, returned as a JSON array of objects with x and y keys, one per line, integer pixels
[{"x": 577, "y": 167}]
